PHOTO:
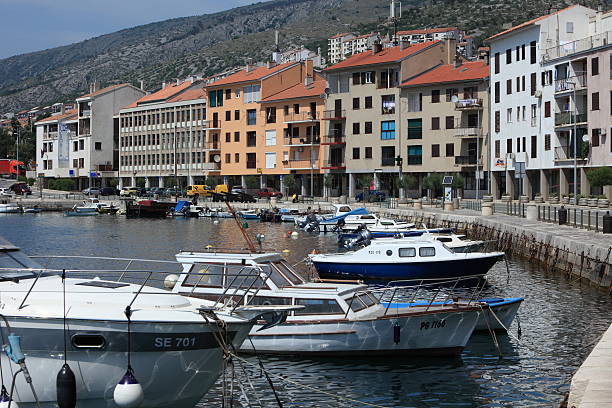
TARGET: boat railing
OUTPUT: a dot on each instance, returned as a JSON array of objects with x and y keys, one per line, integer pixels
[
  {"x": 427, "y": 292},
  {"x": 245, "y": 281}
]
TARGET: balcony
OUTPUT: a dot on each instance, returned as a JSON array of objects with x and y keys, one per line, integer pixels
[
  {"x": 569, "y": 118},
  {"x": 466, "y": 160},
  {"x": 300, "y": 164},
  {"x": 335, "y": 114},
  {"x": 211, "y": 124},
  {"x": 566, "y": 153},
  {"x": 104, "y": 167},
  {"x": 578, "y": 82},
  {"x": 302, "y": 117},
  {"x": 333, "y": 140},
  {"x": 211, "y": 146},
  {"x": 50, "y": 135},
  {"x": 577, "y": 46},
  {"x": 302, "y": 141},
  {"x": 212, "y": 166},
  {"x": 334, "y": 165},
  {"x": 85, "y": 113},
  {"x": 468, "y": 104},
  {"x": 468, "y": 131}
]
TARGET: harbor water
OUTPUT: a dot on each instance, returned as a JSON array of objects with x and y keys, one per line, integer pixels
[{"x": 560, "y": 322}]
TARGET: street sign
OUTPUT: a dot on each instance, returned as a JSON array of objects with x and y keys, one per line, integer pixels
[{"x": 447, "y": 181}]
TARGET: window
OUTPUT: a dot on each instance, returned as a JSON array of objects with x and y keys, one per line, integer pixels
[
  {"x": 509, "y": 146},
  {"x": 595, "y": 66},
  {"x": 368, "y": 128},
  {"x": 435, "y": 124},
  {"x": 407, "y": 252},
  {"x": 547, "y": 109},
  {"x": 251, "y": 139},
  {"x": 497, "y": 121},
  {"x": 497, "y": 92},
  {"x": 497, "y": 149},
  {"x": 427, "y": 251},
  {"x": 228, "y": 115},
  {"x": 518, "y": 84},
  {"x": 318, "y": 306},
  {"x": 220, "y": 97},
  {"x": 251, "y": 160},
  {"x": 595, "y": 137},
  {"x": 569, "y": 27},
  {"x": 415, "y": 154},
  {"x": 270, "y": 160},
  {"x": 368, "y": 102},
  {"x": 236, "y": 136},
  {"x": 388, "y": 104},
  {"x": 75, "y": 146},
  {"x": 533, "y": 84},
  {"x": 228, "y": 137},
  {"x": 228, "y": 158},
  {"x": 435, "y": 150},
  {"x": 236, "y": 157},
  {"x": 415, "y": 102},
  {"x": 518, "y": 53},
  {"x": 595, "y": 101},
  {"x": 355, "y": 103},
  {"x": 450, "y": 92},
  {"x": 522, "y": 51},
  {"x": 508, "y": 56},
  {"x": 472, "y": 120},
  {"x": 286, "y": 110},
  {"x": 415, "y": 128},
  {"x": 450, "y": 122},
  {"x": 356, "y": 128},
  {"x": 508, "y": 86},
  {"x": 435, "y": 96},
  {"x": 81, "y": 145},
  {"x": 271, "y": 115},
  {"x": 534, "y": 147},
  {"x": 368, "y": 77},
  {"x": 532, "y": 52},
  {"x": 387, "y": 130},
  {"x": 450, "y": 150},
  {"x": 387, "y": 154},
  {"x": 251, "y": 117},
  {"x": 523, "y": 87},
  {"x": 271, "y": 137},
  {"x": 496, "y": 59},
  {"x": 356, "y": 78},
  {"x": 296, "y": 108},
  {"x": 236, "y": 115},
  {"x": 546, "y": 142},
  {"x": 368, "y": 153},
  {"x": 212, "y": 99},
  {"x": 355, "y": 153},
  {"x": 518, "y": 144},
  {"x": 252, "y": 93}
]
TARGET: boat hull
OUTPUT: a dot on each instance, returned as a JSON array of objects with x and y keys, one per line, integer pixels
[
  {"x": 505, "y": 310},
  {"x": 446, "y": 269},
  {"x": 441, "y": 333},
  {"x": 176, "y": 364}
]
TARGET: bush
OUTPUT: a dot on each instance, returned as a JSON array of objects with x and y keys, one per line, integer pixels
[
  {"x": 290, "y": 183},
  {"x": 600, "y": 177},
  {"x": 433, "y": 182},
  {"x": 63, "y": 184},
  {"x": 31, "y": 181},
  {"x": 251, "y": 181}
]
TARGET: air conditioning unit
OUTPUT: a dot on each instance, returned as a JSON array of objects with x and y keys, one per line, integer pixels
[{"x": 538, "y": 94}]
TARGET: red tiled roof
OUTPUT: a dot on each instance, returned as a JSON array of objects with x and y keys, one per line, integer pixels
[
  {"x": 299, "y": 91},
  {"x": 254, "y": 74},
  {"x": 339, "y": 35},
  {"x": 161, "y": 95},
  {"x": 528, "y": 23},
  {"x": 189, "y": 94},
  {"x": 387, "y": 55},
  {"x": 427, "y": 31},
  {"x": 448, "y": 73},
  {"x": 65, "y": 115},
  {"x": 103, "y": 90}
]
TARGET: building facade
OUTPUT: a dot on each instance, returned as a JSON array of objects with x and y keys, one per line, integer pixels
[
  {"x": 55, "y": 137},
  {"x": 163, "y": 138},
  {"x": 542, "y": 110}
]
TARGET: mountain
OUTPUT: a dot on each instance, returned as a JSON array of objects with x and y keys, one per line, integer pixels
[{"x": 211, "y": 43}]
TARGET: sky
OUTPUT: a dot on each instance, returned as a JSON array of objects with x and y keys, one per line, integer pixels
[{"x": 33, "y": 25}]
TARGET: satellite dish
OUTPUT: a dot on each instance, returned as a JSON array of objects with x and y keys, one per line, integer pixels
[
  {"x": 454, "y": 99},
  {"x": 585, "y": 138},
  {"x": 217, "y": 158}
]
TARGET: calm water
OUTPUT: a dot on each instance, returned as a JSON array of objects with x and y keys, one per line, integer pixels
[{"x": 560, "y": 321}]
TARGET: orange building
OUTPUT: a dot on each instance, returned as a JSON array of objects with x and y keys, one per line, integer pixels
[{"x": 267, "y": 122}]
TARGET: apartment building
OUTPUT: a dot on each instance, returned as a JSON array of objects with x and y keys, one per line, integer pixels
[
  {"x": 268, "y": 123},
  {"x": 446, "y": 109},
  {"x": 335, "y": 52},
  {"x": 429, "y": 34},
  {"x": 55, "y": 136},
  {"x": 163, "y": 138},
  {"x": 538, "y": 115},
  {"x": 363, "y": 110}
]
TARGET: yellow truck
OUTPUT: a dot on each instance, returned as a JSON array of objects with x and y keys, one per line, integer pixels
[{"x": 202, "y": 190}]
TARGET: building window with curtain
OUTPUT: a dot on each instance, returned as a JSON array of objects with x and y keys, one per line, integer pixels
[
  {"x": 388, "y": 104},
  {"x": 387, "y": 130},
  {"x": 415, "y": 154},
  {"x": 415, "y": 128}
]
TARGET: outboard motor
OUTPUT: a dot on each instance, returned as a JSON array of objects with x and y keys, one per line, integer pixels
[{"x": 364, "y": 238}]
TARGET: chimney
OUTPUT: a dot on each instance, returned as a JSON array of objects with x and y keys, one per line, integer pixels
[
  {"x": 308, "y": 80},
  {"x": 178, "y": 82},
  {"x": 142, "y": 84},
  {"x": 404, "y": 44},
  {"x": 276, "y": 41},
  {"x": 450, "y": 50},
  {"x": 249, "y": 65},
  {"x": 458, "y": 61},
  {"x": 377, "y": 47},
  {"x": 270, "y": 64},
  {"x": 62, "y": 109},
  {"x": 309, "y": 67},
  {"x": 163, "y": 84}
]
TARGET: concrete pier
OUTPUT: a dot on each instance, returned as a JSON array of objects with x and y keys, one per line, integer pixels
[{"x": 592, "y": 384}]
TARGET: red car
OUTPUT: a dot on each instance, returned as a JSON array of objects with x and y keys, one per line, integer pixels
[
  {"x": 269, "y": 192},
  {"x": 21, "y": 189}
]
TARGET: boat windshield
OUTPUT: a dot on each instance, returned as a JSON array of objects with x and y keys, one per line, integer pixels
[
  {"x": 361, "y": 301},
  {"x": 219, "y": 275},
  {"x": 12, "y": 264}
]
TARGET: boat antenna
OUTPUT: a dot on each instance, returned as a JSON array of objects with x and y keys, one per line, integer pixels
[
  {"x": 241, "y": 227},
  {"x": 65, "y": 382}
]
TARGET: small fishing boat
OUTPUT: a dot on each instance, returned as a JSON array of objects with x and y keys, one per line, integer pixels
[
  {"x": 32, "y": 210},
  {"x": 341, "y": 211},
  {"x": 408, "y": 258},
  {"x": 183, "y": 208},
  {"x": 9, "y": 208},
  {"x": 336, "y": 319},
  {"x": 248, "y": 214},
  {"x": 388, "y": 225},
  {"x": 195, "y": 210},
  {"x": 349, "y": 239},
  {"x": 148, "y": 208},
  {"x": 75, "y": 213}
]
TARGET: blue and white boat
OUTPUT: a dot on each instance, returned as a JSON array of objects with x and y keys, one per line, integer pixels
[
  {"x": 410, "y": 258},
  {"x": 249, "y": 214}
]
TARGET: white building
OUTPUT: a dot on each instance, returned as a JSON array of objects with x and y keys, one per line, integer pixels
[
  {"x": 528, "y": 131},
  {"x": 429, "y": 34}
]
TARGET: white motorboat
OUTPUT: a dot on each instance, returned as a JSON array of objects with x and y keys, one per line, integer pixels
[
  {"x": 389, "y": 225},
  {"x": 338, "y": 318},
  {"x": 459, "y": 242},
  {"x": 215, "y": 213},
  {"x": 92, "y": 205},
  {"x": 173, "y": 342},
  {"x": 341, "y": 211},
  {"x": 7, "y": 207},
  {"x": 373, "y": 223}
]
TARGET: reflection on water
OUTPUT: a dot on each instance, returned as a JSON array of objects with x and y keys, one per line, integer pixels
[{"x": 560, "y": 321}]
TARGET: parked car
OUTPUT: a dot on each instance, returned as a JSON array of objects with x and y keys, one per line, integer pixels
[
  {"x": 238, "y": 189},
  {"x": 91, "y": 191},
  {"x": 21, "y": 189},
  {"x": 109, "y": 191},
  {"x": 6, "y": 192},
  {"x": 129, "y": 191},
  {"x": 269, "y": 192},
  {"x": 372, "y": 195}
]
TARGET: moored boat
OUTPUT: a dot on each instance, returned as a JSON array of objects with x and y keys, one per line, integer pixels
[
  {"x": 248, "y": 214},
  {"x": 7, "y": 208}
]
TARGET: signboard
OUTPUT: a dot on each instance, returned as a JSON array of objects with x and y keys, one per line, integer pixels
[
  {"x": 63, "y": 145},
  {"x": 93, "y": 174},
  {"x": 500, "y": 163},
  {"x": 71, "y": 173},
  {"x": 448, "y": 193}
]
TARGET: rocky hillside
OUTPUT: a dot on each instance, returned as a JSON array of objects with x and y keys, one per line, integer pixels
[{"x": 210, "y": 43}]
